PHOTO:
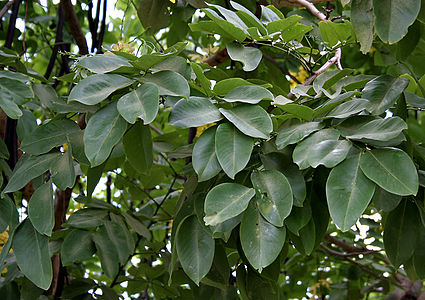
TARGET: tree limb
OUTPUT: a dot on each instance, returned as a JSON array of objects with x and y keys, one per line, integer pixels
[
  {"x": 280, "y": 3},
  {"x": 6, "y": 7},
  {"x": 74, "y": 26}
]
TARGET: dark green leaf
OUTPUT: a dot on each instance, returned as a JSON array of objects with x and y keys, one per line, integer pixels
[
  {"x": 107, "y": 252},
  {"x": 362, "y": 18},
  {"x": 251, "y": 94},
  {"x": 348, "y": 192},
  {"x": 295, "y": 133},
  {"x": 41, "y": 209},
  {"x": 196, "y": 111},
  {"x": 250, "y": 57},
  {"x": 169, "y": 83},
  {"x": 77, "y": 246},
  {"x": 138, "y": 147}
]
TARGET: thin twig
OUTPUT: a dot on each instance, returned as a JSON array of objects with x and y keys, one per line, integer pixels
[
  {"x": 157, "y": 130},
  {"x": 6, "y": 7}
]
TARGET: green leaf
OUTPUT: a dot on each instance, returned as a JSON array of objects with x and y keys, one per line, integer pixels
[
  {"x": 273, "y": 195},
  {"x": 367, "y": 127},
  {"x": 153, "y": 15},
  {"x": 225, "y": 86},
  {"x": 87, "y": 218},
  {"x": 107, "y": 252},
  {"x": 195, "y": 249},
  {"x": 329, "y": 153},
  {"x": 204, "y": 158},
  {"x": 308, "y": 146},
  {"x": 383, "y": 92},
  {"x": 120, "y": 236},
  {"x": 29, "y": 167},
  {"x": 301, "y": 111},
  {"x": 32, "y": 254},
  {"x": 103, "y": 63},
  {"x": 98, "y": 87},
  {"x": 104, "y": 130},
  {"x": 138, "y": 226},
  {"x": 335, "y": 33},
  {"x": 418, "y": 258},
  {"x": 233, "y": 149},
  {"x": 250, "y": 57},
  {"x": 261, "y": 241},
  {"x": 393, "y": 17},
  {"x": 400, "y": 232},
  {"x": 225, "y": 201},
  {"x": 252, "y": 120},
  {"x": 251, "y": 94},
  {"x": 298, "y": 219},
  {"x": 348, "y": 192},
  {"x": 8, "y": 105},
  {"x": 229, "y": 28},
  {"x": 49, "y": 135},
  {"x": 148, "y": 60},
  {"x": 283, "y": 163},
  {"x": 392, "y": 170},
  {"x": 203, "y": 80},
  {"x": 20, "y": 91},
  {"x": 384, "y": 200},
  {"x": 169, "y": 83},
  {"x": 77, "y": 246},
  {"x": 177, "y": 64},
  {"x": 362, "y": 18},
  {"x": 141, "y": 103},
  {"x": 138, "y": 147},
  {"x": 348, "y": 108},
  {"x": 8, "y": 215},
  {"x": 63, "y": 172},
  {"x": 283, "y": 24},
  {"x": 41, "y": 209},
  {"x": 196, "y": 111},
  {"x": 248, "y": 17},
  {"x": 295, "y": 133}
]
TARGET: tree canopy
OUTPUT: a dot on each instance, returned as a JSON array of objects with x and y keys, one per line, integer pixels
[{"x": 189, "y": 149}]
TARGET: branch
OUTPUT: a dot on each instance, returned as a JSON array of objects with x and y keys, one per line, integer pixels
[
  {"x": 102, "y": 29},
  {"x": 6, "y": 7},
  {"x": 336, "y": 59},
  {"x": 58, "y": 39},
  {"x": 310, "y": 6},
  {"x": 74, "y": 26},
  {"x": 343, "y": 245},
  {"x": 218, "y": 58},
  {"x": 280, "y": 3}
]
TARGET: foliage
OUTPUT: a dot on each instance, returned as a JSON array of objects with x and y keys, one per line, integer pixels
[{"x": 264, "y": 170}]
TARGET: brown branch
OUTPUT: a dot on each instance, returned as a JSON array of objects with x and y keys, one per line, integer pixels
[
  {"x": 6, "y": 7},
  {"x": 74, "y": 26},
  {"x": 218, "y": 58},
  {"x": 280, "y": 3},
  {"x": 343, "y": 245},
  {"x": 336, "y": 59}
]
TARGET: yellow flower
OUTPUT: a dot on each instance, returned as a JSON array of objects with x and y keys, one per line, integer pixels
[
  {"x": 315, "y": 288},
  {"x": 173, "y": 1},
  {"x": 123, "y": 47},
  {"x": 301, "y": 76},
  {"x": 210, "y": 50},
  {"x": 202, "y": 128}
]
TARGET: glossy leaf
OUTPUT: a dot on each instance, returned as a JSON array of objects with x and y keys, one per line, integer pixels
[
  {"x": 252, "y": 120},
  {"x": 273, "y": 195},
  {"x": 41, "y": 209},
  {"x": 230, "y": 29},
  {"x": 107, "y": 252},
  {"x": 233, "y": 149},
  {"x": 250, "y": 57},
  {"x": 400, "y": 232},
  {"x": 138, "y": 147},
  {"x": 393, "y": 17},
  {"x": 103, "y": 63},
  {"x": 104, "y": 130},
  {"x": 77, "y": 246},
  {"x": 204, "y": 157},
  {"x": 195, "y": 249},
  {"x": 120, "y": 236},
  {"x": 295, "y": 133},
  {"x": 348, "y": 108},
  {"x": 362, "y": 18},
  {"x": 383, "y": 92},
  {"x": 141, "y": 103},
  {"x": 29, "y": 167},
  {"x": 138, "y": 226},
  {"x": 392, "y": 170},
  {"x": 98, "y": 87},
  {"x": 169, "y": 83},
  {"x": 348, "y": 192},
  {"x": 225, "y": 201},
  {"x": 48, "y": 136},
  {"x": 63, "y": 171},
  {"x": 87, "y": 218},
  {"x": 196, "y": 111},
  {"x": 8, "y": 105},
  {"x": 261, "y": 241},
  {"x": 366, "y": 127},
  {"x": 308, "y": 146},
  {"x": 329, "y": 153},
  {"x": 251, "y": 94},
  {"x": 37, "y": 267}
]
